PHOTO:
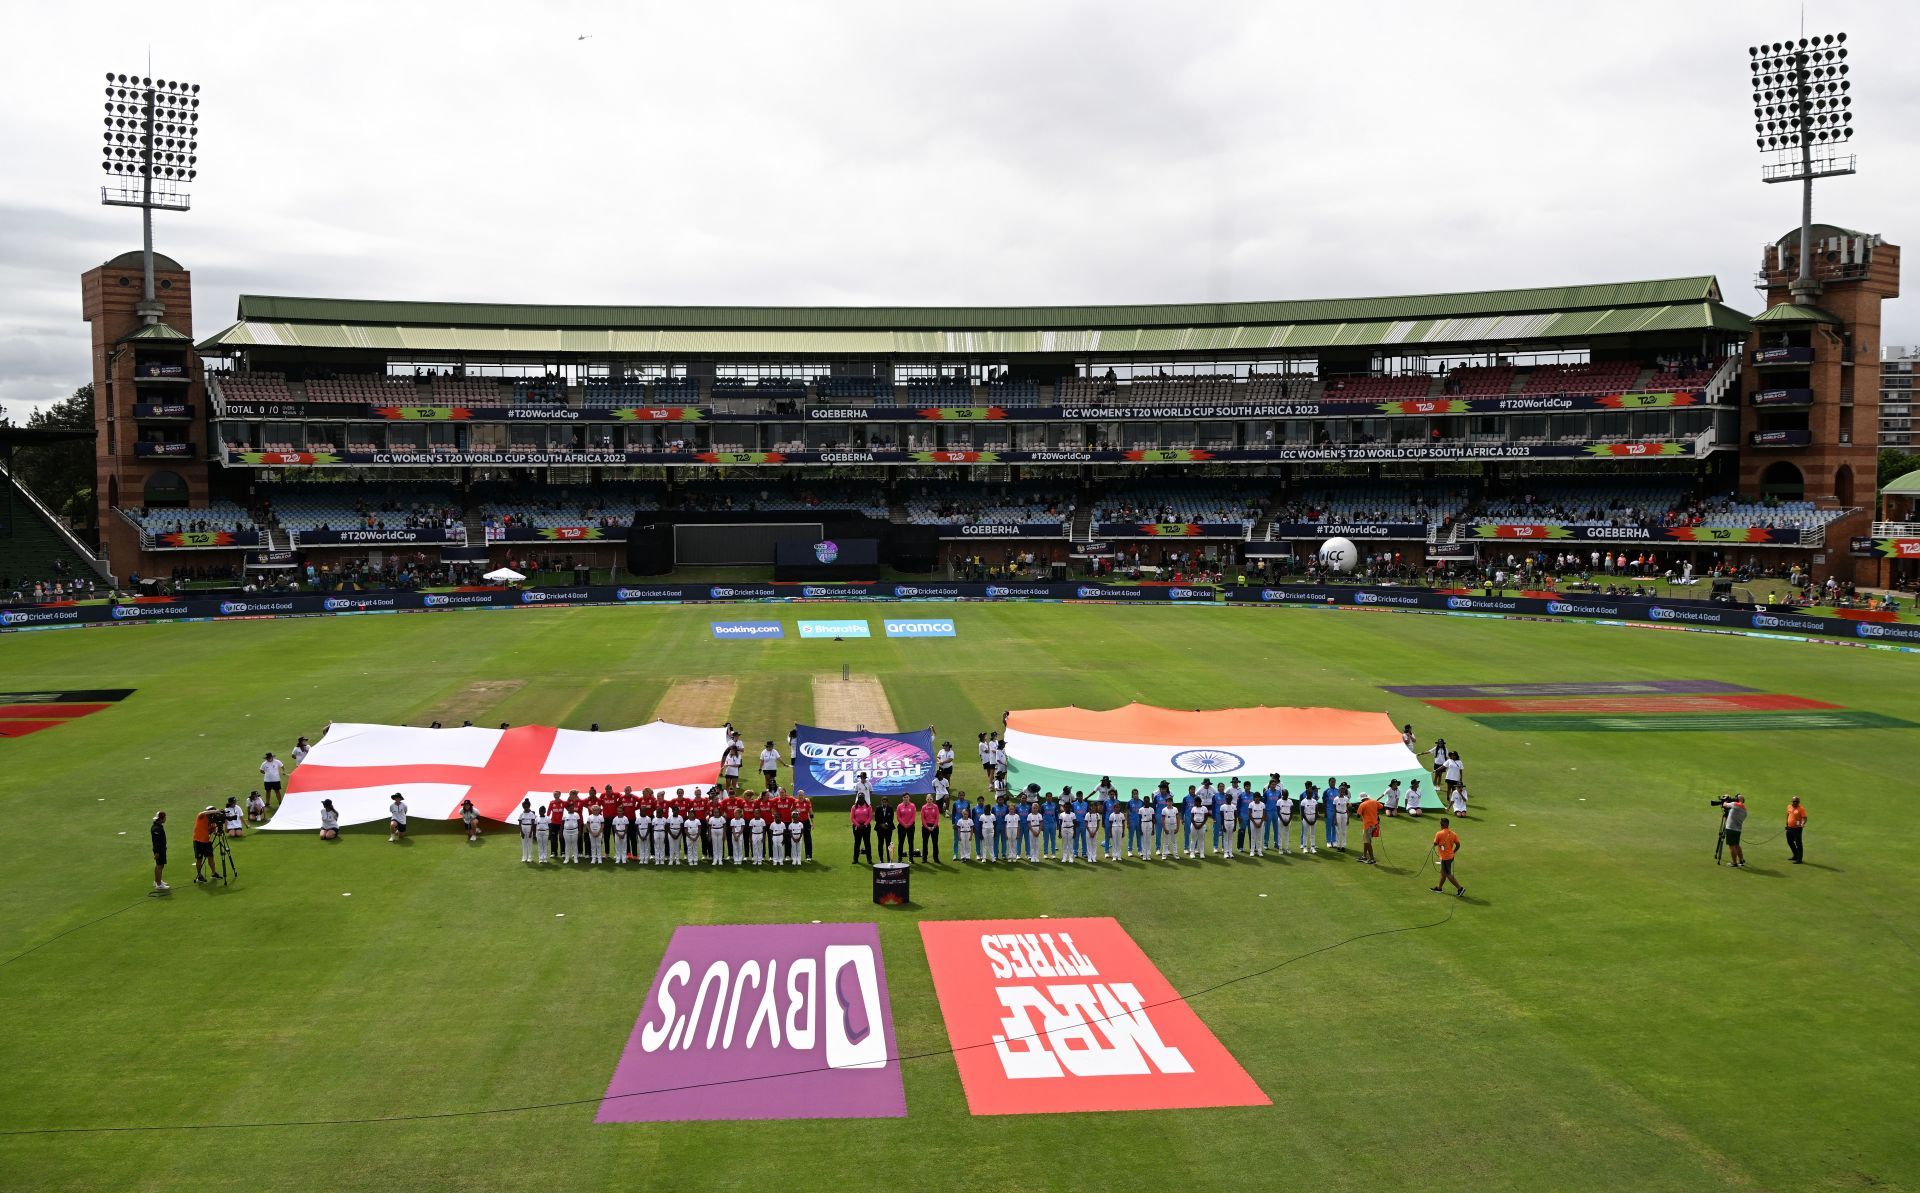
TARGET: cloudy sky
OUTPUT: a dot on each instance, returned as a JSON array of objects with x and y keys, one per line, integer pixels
[{"x": 854, "y": 152}]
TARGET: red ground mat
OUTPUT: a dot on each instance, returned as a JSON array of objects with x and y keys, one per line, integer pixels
[
  {"x": 1728, "y": 702},
  {"x": 22, "y": 728},
  {"x": 38, "y": 712}
]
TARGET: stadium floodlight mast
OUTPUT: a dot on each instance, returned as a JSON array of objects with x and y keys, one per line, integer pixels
[
  {"x": 1802, "y": 115},
  {"x": 150, "y": 153}
]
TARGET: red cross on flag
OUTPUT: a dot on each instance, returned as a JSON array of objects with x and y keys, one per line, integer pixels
[{"x": 359, "y": 767}]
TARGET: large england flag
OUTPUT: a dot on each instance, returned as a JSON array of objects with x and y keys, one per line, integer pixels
[
  {"x": 1140, "y": 746},
  {"x": 359, "y": 767}
]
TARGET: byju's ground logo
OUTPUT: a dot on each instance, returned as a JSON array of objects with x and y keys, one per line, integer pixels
[
  {"x": 752, "y": 1021},
  {"x": 1057, "y": 1016}
]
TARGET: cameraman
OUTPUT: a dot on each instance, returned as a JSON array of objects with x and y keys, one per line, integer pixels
[
  {"x": 1735, "y": 807},
  {"x": 203, "y": 830}
]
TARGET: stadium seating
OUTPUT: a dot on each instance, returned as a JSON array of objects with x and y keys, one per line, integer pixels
[
  {"x": 218, "y": 515},
  {"x": 608, "y": 506},
  {"x": 947, "y": 505},
  {"x": 1187, "y": 501},
  {"x": 1378, "y": 389},
  {"x": 1479, "y": 381},
  {"x": 364, "y": 390},
  {"x": 348, "y": 506},
  {"x": 1594, "y": 377},
  {"x": 33, "y": 551},
  {"x": 1352, "y": 500},
  {"x": 251, "y": 387},
  {"x": 854, "y": 389}
]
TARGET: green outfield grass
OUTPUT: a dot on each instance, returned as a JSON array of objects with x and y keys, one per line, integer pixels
[{"x": 1607, "y": 1010}]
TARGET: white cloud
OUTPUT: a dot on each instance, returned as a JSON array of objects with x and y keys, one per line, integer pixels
[{"x": 999, "y": 152}]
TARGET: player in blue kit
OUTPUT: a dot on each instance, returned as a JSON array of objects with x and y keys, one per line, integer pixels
[
  {"x": 1050, "y": 827},
  {"x": 1271, "y": 796},
  {"x": 1136, "y": 842},
  {"x": 1020, "y": 829},
  {"x": 1000, "y": 814}
]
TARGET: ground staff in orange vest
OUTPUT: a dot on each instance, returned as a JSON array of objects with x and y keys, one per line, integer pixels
[
  {"x": 1796, "y": 824},
  {"x": 1446, "y": 843}
]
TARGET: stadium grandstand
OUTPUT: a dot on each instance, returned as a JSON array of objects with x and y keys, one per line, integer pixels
[{"x": 318, "y": 432}]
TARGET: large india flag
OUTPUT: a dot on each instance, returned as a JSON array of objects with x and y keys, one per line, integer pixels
[
  {"x": 1140, "y": 745},
  {"x": 359, "y": 767}
]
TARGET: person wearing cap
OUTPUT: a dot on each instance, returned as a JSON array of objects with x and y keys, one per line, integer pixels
[
  {"x": 203, "y": 841},
  {"x": 1796, "y": 825},
  {"x": 1369, "y": 814},
  {"x": 1730, "y": 827},
  {"x": 396, "y": 819},
  {"x": 329, "y": 821},
  {"x": 159, "y": 834}
]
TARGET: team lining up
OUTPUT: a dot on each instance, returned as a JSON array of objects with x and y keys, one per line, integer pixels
[{"x": 728, "y": 824}]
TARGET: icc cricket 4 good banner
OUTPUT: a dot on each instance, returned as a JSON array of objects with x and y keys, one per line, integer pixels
[
  {"x": 830, "y": 761},
  {"x": 757, "y": 1021},
  {"x": 1140, "y": 745},
  {"x": 1059, "y": 1016}
]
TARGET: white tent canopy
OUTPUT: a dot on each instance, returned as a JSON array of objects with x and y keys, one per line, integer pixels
[{"x": 505, "y": 576}]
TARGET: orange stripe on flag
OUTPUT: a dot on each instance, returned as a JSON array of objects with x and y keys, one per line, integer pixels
[{"x": 1144, "y": 724}]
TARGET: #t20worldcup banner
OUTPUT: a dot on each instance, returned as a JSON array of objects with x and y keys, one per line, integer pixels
[
  {"x": 752, "y": 1021},
  {"x": 831, "y": 761},
  {"x": 1057, "y": 1016}
]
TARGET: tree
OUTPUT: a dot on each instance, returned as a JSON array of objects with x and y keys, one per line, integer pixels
[{"x": 61, "y": 474}]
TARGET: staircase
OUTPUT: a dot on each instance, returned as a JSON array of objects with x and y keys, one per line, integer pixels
[
  {"x": 476, "y": 526},
  {"x": 1081, "y": 528},
  {"x": 35, "y": 545}
]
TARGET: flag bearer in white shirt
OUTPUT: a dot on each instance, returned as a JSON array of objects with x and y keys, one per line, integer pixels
[
  {"x": 1257, "y": 828},
  {"x": 526, "y": 819},
  {"x": 1338, "y": 811},
  {"x": 570, "y": 836},
  {"x": 1309, "y": 813}
]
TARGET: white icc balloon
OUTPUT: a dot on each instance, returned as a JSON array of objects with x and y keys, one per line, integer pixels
[{"x": 1339, "y": 555}]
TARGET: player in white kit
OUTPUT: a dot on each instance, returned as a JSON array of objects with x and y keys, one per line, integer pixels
[
  {"x": 779, "y": 832},
  {"x": 717, "y": 836},
  {"x": 1228, "y": 813},
  {"x": 620, "y": 836},
  {"x": 1116, "y": 831},
  {"x": 1309, "y": 812},
  {"x": 737, "y": 829},
  {"x": 1035, "y": 820},
  {"x": 963, "y": 836},
  {"x": 1284, "y": 808},
  {"x": 1338, "y": 810},
  {"x": 1197, "y": 818},
  {"x": 690, "y": 838},
  {"x": 570, "y": 836},
  {"x": 540, "y": 831},
  {"x": 597, "y": 835},
  {"x": 757, "y": 829},
  {"x": 659, "y": 827},
  {"x": 525, "y": 820},
  {"x": 1169, "y": 824},
  {"x": 1257, "y": 825}
]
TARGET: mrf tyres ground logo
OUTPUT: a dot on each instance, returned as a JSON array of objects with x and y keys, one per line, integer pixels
[
  {"x": 1064, "y": 1015},
  {"x": 752, "y": 1021}
]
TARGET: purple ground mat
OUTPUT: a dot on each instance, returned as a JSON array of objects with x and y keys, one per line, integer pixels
[
  {"x": 748, "y": 1021},
  {"x": 1641, "y": 687}
]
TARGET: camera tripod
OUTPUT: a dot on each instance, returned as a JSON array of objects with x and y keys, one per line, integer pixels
[{"x": 225, "y": 869}]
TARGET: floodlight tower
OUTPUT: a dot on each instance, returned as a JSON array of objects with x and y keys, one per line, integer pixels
[
  {"x": 151, "y": 151},
  {"x": 1802, "y": 115}
]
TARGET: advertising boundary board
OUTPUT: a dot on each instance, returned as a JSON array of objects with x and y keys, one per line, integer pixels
[{"x": 1604, "y": 610}]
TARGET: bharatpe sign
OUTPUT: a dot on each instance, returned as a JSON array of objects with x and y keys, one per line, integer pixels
[
  {"x": 924, "y": 627},
  {"x": 748, "y": 629},
  {"x": 754, "y": 1021},
  {"x": 835, "y": 629},
  {"x": 830, "y": 761},
  {"x": 1067, "y": 1015}
]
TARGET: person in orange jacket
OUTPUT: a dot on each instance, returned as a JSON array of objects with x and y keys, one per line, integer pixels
[
  {"x": 1446, "y": 843},
  {"x": 1796, "y": 825}
]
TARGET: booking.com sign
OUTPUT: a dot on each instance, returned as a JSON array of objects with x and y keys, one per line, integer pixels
[
  {"x": 920, "y": 627},
  {"x": 748, "y": 629}
]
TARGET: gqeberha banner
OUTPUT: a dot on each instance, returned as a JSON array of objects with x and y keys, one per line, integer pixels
[{"x": 1140, "y": 746}]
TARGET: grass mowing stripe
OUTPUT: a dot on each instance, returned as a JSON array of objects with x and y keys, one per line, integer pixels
[{"x": 1845, "y": 718}]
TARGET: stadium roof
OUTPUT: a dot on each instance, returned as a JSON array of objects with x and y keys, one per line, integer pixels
[
  {"x": 1787, "y": 312},
  {"x": 1907, "y": 485},
  {"x": 1492, "y": 316}
]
